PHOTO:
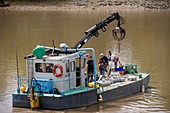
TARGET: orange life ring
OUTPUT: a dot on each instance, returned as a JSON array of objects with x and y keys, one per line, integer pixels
[{"x": 54, "y": 70}]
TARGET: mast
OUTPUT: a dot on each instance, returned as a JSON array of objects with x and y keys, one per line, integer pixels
[{"x": 18, "y": 89}]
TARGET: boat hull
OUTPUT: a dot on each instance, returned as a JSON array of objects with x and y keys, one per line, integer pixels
[
  {"x": 64, "y": 102},
  {"x": 85, "y": 98}
]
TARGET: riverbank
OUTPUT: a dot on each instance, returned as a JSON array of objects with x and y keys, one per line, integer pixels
[{"x": 88, "y": 4}]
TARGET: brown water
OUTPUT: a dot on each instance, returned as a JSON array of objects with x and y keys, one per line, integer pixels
[{"x": 146, "y": 44}]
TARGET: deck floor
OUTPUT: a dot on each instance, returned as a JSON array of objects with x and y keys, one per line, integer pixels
[{"x": 119, "y": 84}]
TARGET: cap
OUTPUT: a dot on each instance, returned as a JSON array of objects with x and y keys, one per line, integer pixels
[{"x": 101, "y": 54}]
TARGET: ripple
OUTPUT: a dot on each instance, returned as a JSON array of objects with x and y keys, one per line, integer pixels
[{"x": 148, "y": 102}]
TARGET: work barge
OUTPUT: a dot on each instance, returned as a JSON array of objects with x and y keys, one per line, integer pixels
[{"x": 56, "y": 77}]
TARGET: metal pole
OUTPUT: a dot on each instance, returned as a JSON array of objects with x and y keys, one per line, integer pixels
[{"x": 18, "y": 89}]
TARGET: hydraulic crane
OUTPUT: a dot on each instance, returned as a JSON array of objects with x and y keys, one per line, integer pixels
[{"x": 93, "y": 31}]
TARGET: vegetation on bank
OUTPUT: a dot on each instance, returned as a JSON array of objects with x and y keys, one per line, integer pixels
[
  {"x": 150, "y": 4},
  {"x": 146, "y": 4}
]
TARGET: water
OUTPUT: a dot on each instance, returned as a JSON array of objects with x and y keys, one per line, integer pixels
[{"x": 146, "y": 44}]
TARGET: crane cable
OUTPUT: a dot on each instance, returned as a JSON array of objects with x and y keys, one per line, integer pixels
[{"x": 119, "y": 33}]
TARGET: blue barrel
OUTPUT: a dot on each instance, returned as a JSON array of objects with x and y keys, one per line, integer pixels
[
  {"x": 121, "y": 68},
  {"x": 62, "y": 92}
]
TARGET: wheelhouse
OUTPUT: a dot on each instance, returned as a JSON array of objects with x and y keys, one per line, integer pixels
[{"x": 62, "y": 72}]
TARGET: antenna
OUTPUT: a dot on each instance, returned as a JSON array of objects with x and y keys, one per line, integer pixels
[
  {"x": 18, "y": 89},
  {"x": 53, "y": 47}
]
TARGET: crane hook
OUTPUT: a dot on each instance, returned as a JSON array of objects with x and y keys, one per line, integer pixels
[
  {"x": 121, "y": 32},
  {"x": 118, "y": 34}
]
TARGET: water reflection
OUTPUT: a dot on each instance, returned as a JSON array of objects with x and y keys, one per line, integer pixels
[
  {"x": 146, "y": 44},
  {"x": 144, "y": 103},
  {"x": 150, "y": 102}
]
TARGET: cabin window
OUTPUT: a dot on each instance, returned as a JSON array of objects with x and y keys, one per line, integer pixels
[
  {"x": 83, "y": 62},
  {"x": 71, "y": 66},
  {"x": 43, "y": 67}
]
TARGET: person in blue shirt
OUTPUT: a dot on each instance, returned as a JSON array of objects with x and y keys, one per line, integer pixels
[{"x": 106, "y": 62}]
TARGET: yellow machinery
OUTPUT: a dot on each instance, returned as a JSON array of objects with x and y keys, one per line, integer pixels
[{"x": 34, "y": 99}]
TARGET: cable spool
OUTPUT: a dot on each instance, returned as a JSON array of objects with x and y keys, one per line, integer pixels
[{"x": 118, "y": 34}]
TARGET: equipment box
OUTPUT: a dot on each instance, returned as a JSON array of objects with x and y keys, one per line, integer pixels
[{"x": 43, "y": 85}]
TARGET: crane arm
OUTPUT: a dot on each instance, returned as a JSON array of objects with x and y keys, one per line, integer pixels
[{"x": 93, "y": 31}]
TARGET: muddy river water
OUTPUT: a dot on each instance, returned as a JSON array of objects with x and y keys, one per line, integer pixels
[{"x": 147, "y": 44}]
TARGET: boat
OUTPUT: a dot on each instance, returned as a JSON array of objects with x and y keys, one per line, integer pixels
[{"x": 56, "y": 77}]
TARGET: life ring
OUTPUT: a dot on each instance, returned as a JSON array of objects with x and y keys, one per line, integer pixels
[{"x": 54, "y": 70}]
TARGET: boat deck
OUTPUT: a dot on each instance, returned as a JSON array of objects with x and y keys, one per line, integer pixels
[{"x": 120, "y": 84}]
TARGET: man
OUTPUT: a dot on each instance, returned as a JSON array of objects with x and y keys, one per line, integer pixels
[
  {"x": 90, "y": 68},
  {"x": 109, "y": 55},
  {"x": 106, "y": 61},
  {"x": 112, "y": 59}
]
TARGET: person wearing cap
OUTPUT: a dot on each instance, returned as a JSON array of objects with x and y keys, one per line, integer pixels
[{"x": 106, "y": 61}]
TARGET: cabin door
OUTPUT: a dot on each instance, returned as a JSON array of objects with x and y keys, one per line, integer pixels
[
  {"x": 80, "y": 65},
  {"x": 71, "y": 73}
]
